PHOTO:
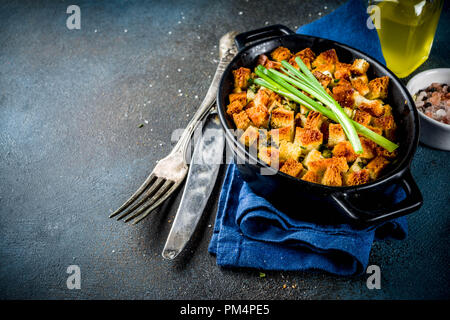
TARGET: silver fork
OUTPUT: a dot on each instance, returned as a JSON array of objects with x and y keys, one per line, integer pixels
[{"x": 170, "y": 171}]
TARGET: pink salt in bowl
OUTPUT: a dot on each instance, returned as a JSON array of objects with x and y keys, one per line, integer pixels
[{"x": 433, "y": 133}]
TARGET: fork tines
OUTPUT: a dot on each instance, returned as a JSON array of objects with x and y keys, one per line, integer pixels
[{"x": 148, "y": 197}]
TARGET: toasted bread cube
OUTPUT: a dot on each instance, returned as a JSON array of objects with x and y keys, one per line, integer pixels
[
  {"x": 241, "y": 120},
  {"x": 380, "y": 151},
  {"x": 342, "y": 71},
  {"x": 332, "y": 177},
  {"x": 344, "y": 95},
  {"x": 289, "y": 150},
  {"x": 270, "y": 155},
  {"x": 250, "y": 136},
  {"x": 262, "y": 98},
  {"x": 357, "y": 178},
  {"x": 335, "y": 134},
  {"x": 378, "y": 88},
  {"x": 373, "y": 107},
  {"x": 259, "y": 116},
  {"x": 375, "y": 129},
  {"x": 362, "y": 117},
  {"x": 322, "y": 164},
  {"x": 368, "y": 147},
  {"x": 322, "y": 78},
  {"x": 234, "y": 107},
  {"x": 313, "y": 155},
  {"x": 241, "y": 77},
  {"x": 299, "y": 120},
  {"x": 345, "y": 149},
  {"x": 326, "y": 61},
  {"x": 308, "y": 139},
  {"x": 292, "y": 168},
  {"x": 314, "y": 120},
  {"x": 241, "y": 97},
  {"x": 311, "y": 176},
  {"x": 361, "y": 84},
  {"x": 282, "y": 134},
  {"x": 307, "y": 56},
  {"x": 280, "y": 54},
  {"x": 385, "y": 122},
  {"x": 359, "y": 67},
  {"x": 282, "y": 117},
  {"x": 376, "y": 166},
  {"x": 387, "y": 110},
  {"x": 357, "y": 165},
  {"x": 391, "y": 134}
]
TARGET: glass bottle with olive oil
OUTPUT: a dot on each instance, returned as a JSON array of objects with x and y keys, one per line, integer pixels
[{"x": 406, "y": 30}]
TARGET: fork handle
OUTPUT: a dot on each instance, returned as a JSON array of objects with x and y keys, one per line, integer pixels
[{"x": 206, "y": 104}]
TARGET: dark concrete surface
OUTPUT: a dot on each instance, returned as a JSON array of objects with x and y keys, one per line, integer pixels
[{"x": 71, "y": 151}]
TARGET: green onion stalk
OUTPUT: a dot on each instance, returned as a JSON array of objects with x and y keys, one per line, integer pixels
[{"x": 283, "y": 84}]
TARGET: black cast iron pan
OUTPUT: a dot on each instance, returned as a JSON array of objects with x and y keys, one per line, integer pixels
[{"x": 363, "y": 205}]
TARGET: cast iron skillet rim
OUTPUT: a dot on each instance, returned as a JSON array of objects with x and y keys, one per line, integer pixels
[{"x": 400, "y": 167}]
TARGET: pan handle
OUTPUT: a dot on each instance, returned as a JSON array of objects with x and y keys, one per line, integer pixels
[
  {"x": 276, "y": 30},
  {"x": 412, "y": 202}
]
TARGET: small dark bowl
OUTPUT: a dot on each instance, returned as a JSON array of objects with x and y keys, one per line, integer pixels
[{"x": 362, "y": 205}]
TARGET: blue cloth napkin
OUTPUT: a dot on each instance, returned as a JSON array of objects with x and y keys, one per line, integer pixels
[{"x": 250, "y": 232}]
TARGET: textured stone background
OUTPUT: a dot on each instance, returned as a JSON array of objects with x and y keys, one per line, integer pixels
[{"x": 71, "y": 151}]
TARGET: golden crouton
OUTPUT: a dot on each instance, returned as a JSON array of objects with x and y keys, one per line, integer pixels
[
  {"x": 308, "y": 139},
  {"x": 313, "y": 155},
  {"x": 241, "y": 120},
  {"x": 270, "y": 155},
  {"x": 344, "y": 95},
  {"x": 299, "y": 120},
  {"x": 326, "y": 61},
  {"x": 332, "y": 177},
  {"x": 361, "y": 84},
  {"x": 241, "y": 77},
  {"x": 362, "y": 117},
  {"x": 322, "y": 78},
  {"x": 234, "y": 107},
  {"x": 292, "y": 168},
  {"x": 345, "y": 149},
  {"x": 380, "y": 151},
  {"x": 342, "y": 71},
  {"x": 274, "y": 97},
  {"x": 282, "y": 117},
  {"x": 373, "y": 107},
  {"x": 282, "y": 134},
  {"x": 307, "y": 56},
  {"x": 259, "y": 116},
  {"x": 359, "y": 67},
  {"x": 322, "y": 164},
  {"x": 250, "y": 136},
  {"x": 311, "y": 176},
  {"x": 368, "y": 147},
  {"x": 385, "y": 122},
  {"x": 241, "y": 97},
  {"x": 357, "y": 178},
  {"x": 357, "y": 165},
  {"x": 289, "y": 150},
  {"x": 280, "y": 54},
  {"x": 335, "y": 134},
  {"x": 387, "y": 110},
  {"x": 314, "y": 120},
  {"x": 376, "y": 166},
  {"x": 375, "y": 129},
  {"x": 262, "y": 98},
  {"x": 378, "y": 88}
]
